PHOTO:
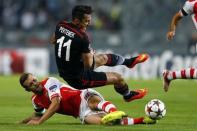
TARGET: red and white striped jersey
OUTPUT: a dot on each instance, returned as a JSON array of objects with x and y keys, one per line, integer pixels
[
  {"x": 190, "y": 8},
  {"x": 69, "y": 97}
]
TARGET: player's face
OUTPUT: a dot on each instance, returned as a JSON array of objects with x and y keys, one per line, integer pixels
[
  {"x": 32, "y": 84},
  {"x": 85, "y": 21}
]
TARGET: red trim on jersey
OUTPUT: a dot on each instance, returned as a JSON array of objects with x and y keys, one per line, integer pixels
[
  {"x": 195, "y": 8},
  {"x": 195, "y": 11},
  {"x": 191, "y": 0},
  {"x": 33, "y": 96},
  {"x": 183, "y": 74},
  {"x": 195, "y": 17},
  {"x": 43, "y": 82},
  {"x": 192, "y": 72}
]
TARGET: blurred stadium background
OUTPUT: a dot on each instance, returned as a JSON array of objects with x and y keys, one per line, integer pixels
[{"x": 127, "y": 27}]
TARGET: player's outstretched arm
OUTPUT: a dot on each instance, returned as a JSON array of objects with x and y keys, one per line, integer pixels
[
  {"x": 54, "y": 106},
  {"x": 175, "y": 20},
  {"x": 87, "y": 60}
]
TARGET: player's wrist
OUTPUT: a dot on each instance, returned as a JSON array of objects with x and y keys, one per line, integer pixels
[
  {"x": 171, "y": 32},
  {"x": 173, "y": 29}
]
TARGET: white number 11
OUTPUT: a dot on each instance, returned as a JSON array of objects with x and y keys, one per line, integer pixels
[{"x": 67, "y": 45}]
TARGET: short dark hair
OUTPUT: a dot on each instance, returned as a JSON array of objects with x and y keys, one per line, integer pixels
[
  {"x": 79, "y": 11},
  {"x": 23, "y": 78}
]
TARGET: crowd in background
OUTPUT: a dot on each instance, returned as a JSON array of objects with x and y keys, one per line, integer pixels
[
  {"x": 38, "y": 14},
  {"x": 31, "y": 21},
  {"x": 134, "y": 25}
]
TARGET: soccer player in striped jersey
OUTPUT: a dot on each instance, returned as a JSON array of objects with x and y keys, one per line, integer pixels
[
  {"x": 189, "y": 8},
  {"x": 52, "y": 96}
]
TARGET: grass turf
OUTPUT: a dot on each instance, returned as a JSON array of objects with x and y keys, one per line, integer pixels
[{"x": 180, "y": 103}]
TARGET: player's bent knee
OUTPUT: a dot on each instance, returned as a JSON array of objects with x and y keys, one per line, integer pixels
[
  {"x": 114, "y": 78},
  {"x": 94, "y": 101},
  {"x": 100, "y": 59}
]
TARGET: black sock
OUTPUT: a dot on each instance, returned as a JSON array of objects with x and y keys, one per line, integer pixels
[
  {"x": 122, "y": 89},
  {"x": 132, "y": 93},
  {"x": 129, "y": 61}
]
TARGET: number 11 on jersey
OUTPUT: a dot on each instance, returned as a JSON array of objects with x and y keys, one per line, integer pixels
[{"x": 61, "y": 45}]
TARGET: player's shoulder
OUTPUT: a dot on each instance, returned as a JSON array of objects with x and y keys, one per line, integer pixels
[
  {"x": 190, "y": 2},
  {"x": 189, "y": 6},
  {"x": 33, "y": 97},
  {"x": 51, "y": 81},
  {"x": 72, "y": 28}
]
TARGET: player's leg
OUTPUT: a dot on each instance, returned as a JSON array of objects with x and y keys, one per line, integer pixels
[
  {"x": 97, "y": 103},
  {"x": 96, "y": 107},
  {"x": 121, "y": 87},
  {"x": 189, "y": 73},
  {"x": 125, "y": 121},
  {"x": 168, "y": 76},
  {"x": 166, "y": 81},
  {"x": 93, "y": 119},
  {"x": 95, "y": 79},
  {"x": 115, "y": 59},
  {"x": 133, "y": 121},
  {"x": 88, "y": 112}
]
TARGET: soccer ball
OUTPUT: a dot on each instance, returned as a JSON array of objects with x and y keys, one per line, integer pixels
[{"x": 155, "y": 109}]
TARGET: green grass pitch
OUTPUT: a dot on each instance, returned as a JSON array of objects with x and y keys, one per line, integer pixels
[{"x": 181, "y": 104}]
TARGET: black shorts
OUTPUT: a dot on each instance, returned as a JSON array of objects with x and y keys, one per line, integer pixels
[{"x": 88, "y": 79}]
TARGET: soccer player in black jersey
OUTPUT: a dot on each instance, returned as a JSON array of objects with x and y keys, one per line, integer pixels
[{"x": 76, "y": 60}]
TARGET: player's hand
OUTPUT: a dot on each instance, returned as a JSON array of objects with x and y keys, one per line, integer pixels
[
  {"x": 170, "y": 35},
  {"x": 33, "y": 122}
]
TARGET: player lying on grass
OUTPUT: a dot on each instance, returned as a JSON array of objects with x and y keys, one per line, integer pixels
[{"x": 52, "y": 96}]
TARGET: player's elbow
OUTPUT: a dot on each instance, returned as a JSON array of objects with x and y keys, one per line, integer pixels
[{"x": 178, "y": 16}]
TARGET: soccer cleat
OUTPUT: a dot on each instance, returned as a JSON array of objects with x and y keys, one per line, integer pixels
[
  {"x": 139, "y": 59},
  {"x": 166, "y": 81},
  {"x": 113, "y": 117},
  {"x": 136, "y": 94},
  {"x": 148, "y": 120}
]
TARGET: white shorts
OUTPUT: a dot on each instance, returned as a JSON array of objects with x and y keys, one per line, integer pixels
[{"x": 84, "y": 109}]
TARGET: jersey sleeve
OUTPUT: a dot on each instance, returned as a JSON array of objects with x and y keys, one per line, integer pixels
[
  {"x": 39, "y": 110},
  {"x": 53, "y": 87},
  {"x": 187, "y": 8}
]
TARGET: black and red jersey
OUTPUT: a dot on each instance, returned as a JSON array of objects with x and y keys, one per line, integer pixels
[{"x": 71, "y": 42}]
